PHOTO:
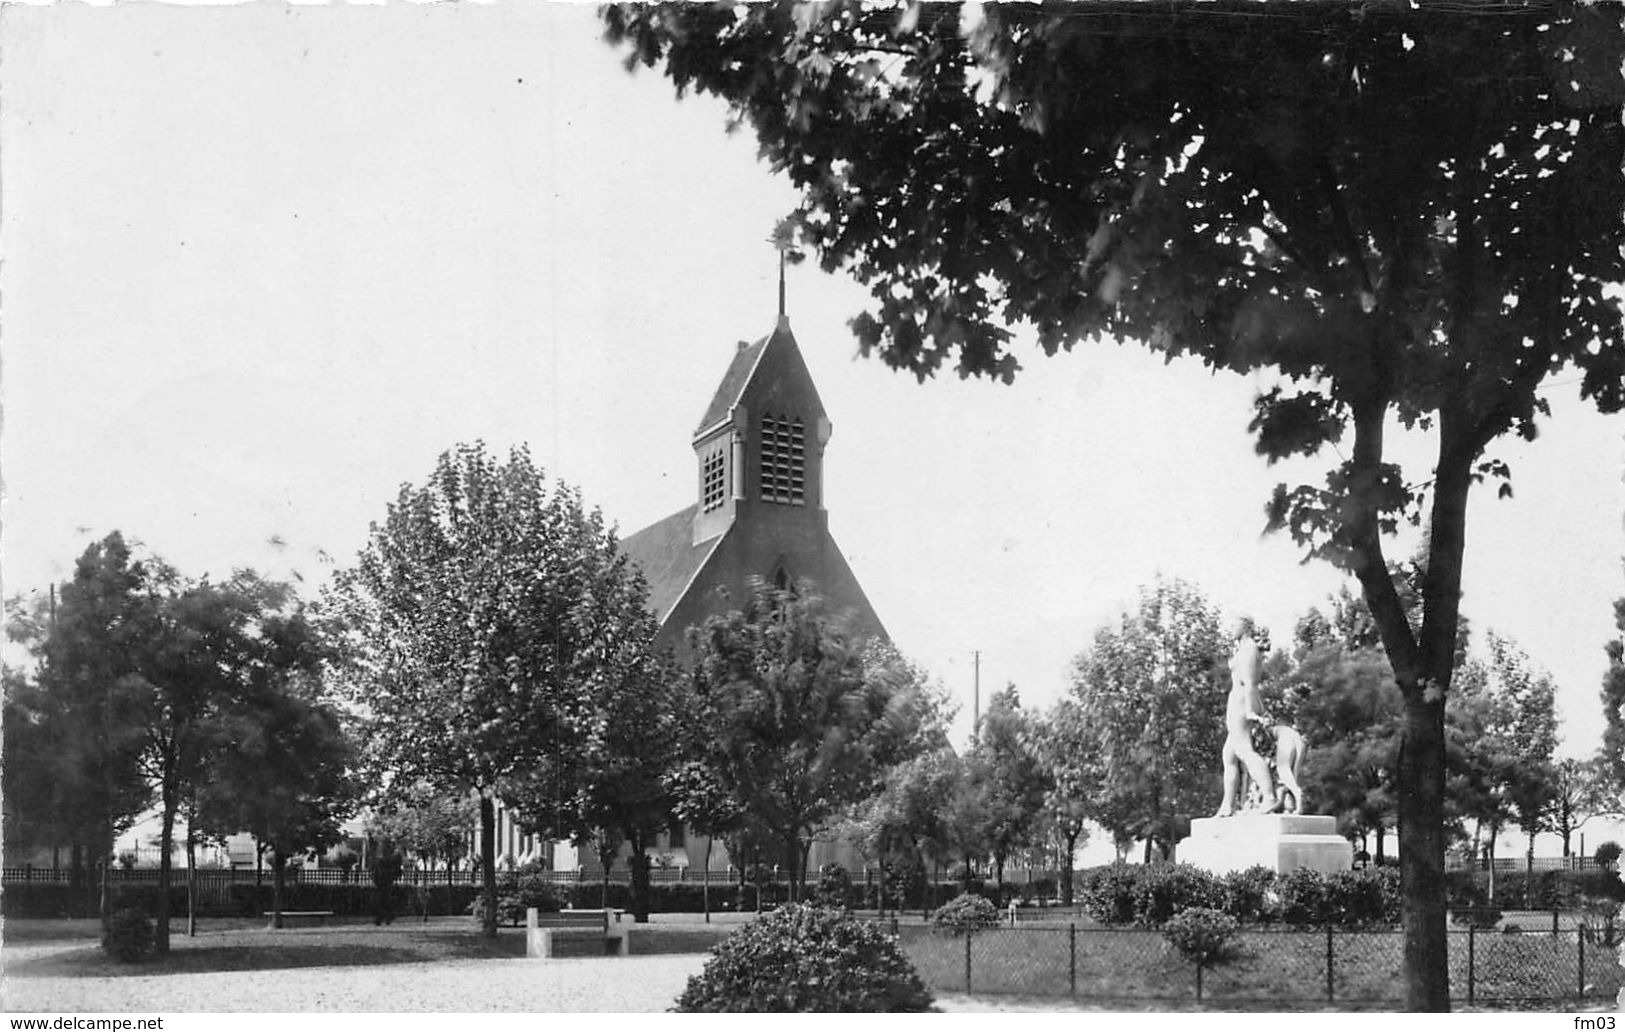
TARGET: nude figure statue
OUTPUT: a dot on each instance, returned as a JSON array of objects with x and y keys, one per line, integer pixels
[{"x": 1243, "y": 708}]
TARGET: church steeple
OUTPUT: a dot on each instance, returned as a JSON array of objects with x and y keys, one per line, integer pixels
[{"x": 760, "y": 444}]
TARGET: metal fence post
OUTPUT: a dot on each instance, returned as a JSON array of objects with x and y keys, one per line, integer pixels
[
  {"x": 1554, "y": 920},
  {"x": 1072, "y": 959},
  {"x": 1471, "y": 957},
  {"x": 967, "y": 960},
  {"x": 1580, "y": 935}
]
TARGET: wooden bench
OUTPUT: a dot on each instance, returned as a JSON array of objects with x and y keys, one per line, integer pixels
[
  {"x": 297, "y": 918},
  {"x": 543, "y": 931}
]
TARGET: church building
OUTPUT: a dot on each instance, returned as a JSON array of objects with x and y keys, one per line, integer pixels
[
  {"x": 758, "y": 508},
  {"x": 758, "y": 511}
]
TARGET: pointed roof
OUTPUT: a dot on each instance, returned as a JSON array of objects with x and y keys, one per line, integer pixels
[
  {"x": 748, "y": 361},
  {"x": 733, "y": 383},
  {"x": 666, "y": 553}
]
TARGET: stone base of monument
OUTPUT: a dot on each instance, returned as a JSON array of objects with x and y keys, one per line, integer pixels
[{"x": 1280, "y": 841}]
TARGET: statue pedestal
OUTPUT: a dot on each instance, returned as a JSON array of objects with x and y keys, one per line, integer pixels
[{"x": 1280, "y": 841}]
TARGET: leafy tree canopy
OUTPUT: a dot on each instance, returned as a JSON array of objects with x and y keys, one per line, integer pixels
[
  {"x": 1152, "y": 693},
  {"x": 806, "y": 717},
  {"x": 1406, "y": 211},
  {"x": 483, "y": 617}
]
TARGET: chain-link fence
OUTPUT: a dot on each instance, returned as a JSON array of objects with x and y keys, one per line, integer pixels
[{"x": 1322, "y": 966}]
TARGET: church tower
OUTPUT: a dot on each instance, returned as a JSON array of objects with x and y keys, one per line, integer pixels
[{"x": 758, "y": 507}]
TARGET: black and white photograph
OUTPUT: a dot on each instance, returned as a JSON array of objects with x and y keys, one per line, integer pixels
[{"x": 1103, "y": 507}]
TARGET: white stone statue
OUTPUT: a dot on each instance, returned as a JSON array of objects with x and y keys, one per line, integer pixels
[
  {"x": 1289, "y": 751},
  {"x": 1242, "y": 709}
]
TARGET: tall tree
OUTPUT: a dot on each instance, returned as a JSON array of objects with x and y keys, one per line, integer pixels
[
  {"x": 701, "y": 800},
  {"x": 1347, "y": 707},
  {"x": 73, "y": 741},
  {"x": 1152, "y": 691},
  {"x": 1014, "y": 782},
  {"x": 618, "y": 785},
  {"x": 810, "y": 717},
  {"x": 1063, "y": 744},
  {"x": 910, "y": 822},
  {"x": 418, "y": 818},
  {"x": 475, "y": 632},
  {"x": 1407, "y": 211},
  {"x": 215, "y": 654},
  {"x": 284, "y": 773}
]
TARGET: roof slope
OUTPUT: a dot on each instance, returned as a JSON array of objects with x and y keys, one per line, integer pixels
[
  {"x": 666, "y": 554},
  {"x": 733, "y": 383}
]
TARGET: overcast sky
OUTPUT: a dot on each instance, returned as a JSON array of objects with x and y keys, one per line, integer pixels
[{"x": 263, "y": 264}]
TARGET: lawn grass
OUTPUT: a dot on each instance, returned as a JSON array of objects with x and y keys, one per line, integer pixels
[
  {"x": 1267, "y": 967},
  {"x": 243, "y": 945}
]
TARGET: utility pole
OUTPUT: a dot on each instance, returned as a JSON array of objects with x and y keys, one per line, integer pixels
[{"x": 975, "y": 695}]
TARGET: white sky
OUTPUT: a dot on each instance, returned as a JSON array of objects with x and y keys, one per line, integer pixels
[{"x": 262, "y": 264}]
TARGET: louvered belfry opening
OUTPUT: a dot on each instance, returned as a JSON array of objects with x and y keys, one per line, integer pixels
[
  {"x": 784, "y": 460},
  {"x": 714, "y": 478}
]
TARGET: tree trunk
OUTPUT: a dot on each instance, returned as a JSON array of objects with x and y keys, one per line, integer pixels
[
  {"x": 1529, "y": 872},
  {"x": 1066, "y": 867},
  {"x": 1489, "y": 852},
  {"x": 488, "y": 864},
  {"x": 1382, "y": 853},
  {"x": 638, "y": 865},
  {"x": 705, "y": 882},
  {"x": 279, "y": 872},
  {"x": 191, "y": 877},
  {"x": 792, "y": 853},
  {"x": 1421, "y": 858},
  {"x": 166, "y": 842}
]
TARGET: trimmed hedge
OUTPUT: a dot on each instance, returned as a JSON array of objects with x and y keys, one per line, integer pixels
[
  {"x": 804, "y": 959},
  {"x": 1150, "y": 895},
  {"x": 1548, "y": 890}
]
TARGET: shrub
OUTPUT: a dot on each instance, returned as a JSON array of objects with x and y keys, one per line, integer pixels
[
  {"x": 965, "y": 913},
  {"x": 1358, "y": 899},
  {"x": 1166, "y": 889},
  {"x": 834, "y": 887},
  {"x": 514, "y": 900},
  {"x": 1600, "y": 922},
  {"x": 1249, "y": 896},
  {"x": 1304, "y": 898},
  {"x": 1475, "y": 917},
  {"x": 804, "y": 958},
  {"x": 1202, "y": 935},
  {"x": 1607, "y": 854},
  {"x": 1107, "y": 893},
  {"x": 127, "y": 935}
]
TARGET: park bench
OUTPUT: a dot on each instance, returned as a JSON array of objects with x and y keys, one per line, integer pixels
[
  {"x": 544, "y": 931},
  {"x": 298, "y": 918}
]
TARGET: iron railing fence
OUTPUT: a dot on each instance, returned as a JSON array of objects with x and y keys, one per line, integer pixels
[{"x": 1267, "y": 966}]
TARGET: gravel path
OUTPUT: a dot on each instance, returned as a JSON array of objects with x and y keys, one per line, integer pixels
[{"x": 620, "y": 984}]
